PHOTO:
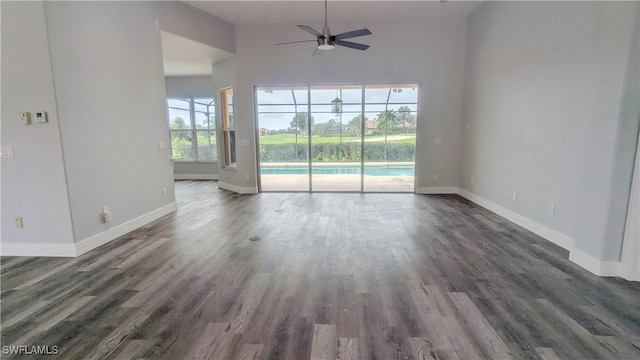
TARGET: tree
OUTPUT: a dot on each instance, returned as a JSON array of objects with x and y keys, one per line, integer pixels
[
  {"x": 322, "y": 129},
  {"x": 404, "y": 116},
  {"x": 354, "y": 127},
  {"x": 179, "y": 124},
  {"x": 387, "y": 121},
  {"x": 299, "y": 121}
]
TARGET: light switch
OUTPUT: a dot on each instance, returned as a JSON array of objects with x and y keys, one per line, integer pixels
[
  {"x": 25, "y": 117},
  {"x": 6, "y": 152},
  {"x": 162, "y": 145}
]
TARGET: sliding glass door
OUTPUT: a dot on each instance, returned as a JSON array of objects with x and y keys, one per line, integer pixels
[
  {"x": 349, "y": 138},
  {"x": 335, "y": 145},
  {"x": 390, "y": 139},
  {"x": 283, "y": 138}
]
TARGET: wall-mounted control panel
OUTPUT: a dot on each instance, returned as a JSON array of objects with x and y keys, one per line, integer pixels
[{"x": 41, "y": 117}]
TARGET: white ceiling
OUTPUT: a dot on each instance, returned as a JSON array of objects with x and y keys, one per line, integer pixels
[
  {"x": 312, "y": 11},
  {"x": 184, "y": 57}
]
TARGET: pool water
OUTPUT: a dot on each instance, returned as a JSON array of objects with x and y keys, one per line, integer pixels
[{"x": 339, "y": 170}]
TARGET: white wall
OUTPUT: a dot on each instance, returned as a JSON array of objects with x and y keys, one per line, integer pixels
[
  {"x": 430, "y": 53},
  {"x": 107, "y": 65},
  {"x": 189, "y": 86},
  {"x": 184, "y": 20},
  {"x": 33, "y": 182},
  {"x": 630, "y": 258},
  {"x": 626, "y": 144},
  {"x": 186, "y": 87},
  {"x": 544, "y": 84}
]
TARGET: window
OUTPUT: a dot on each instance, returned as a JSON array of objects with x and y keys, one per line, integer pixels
[
  {"x": 228, "y": 129},
  {"x": 192, "y": 129}
]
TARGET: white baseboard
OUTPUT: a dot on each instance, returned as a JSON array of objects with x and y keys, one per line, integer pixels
[
  {"x": 556, "y": 237},
  {"x": 436, "y": 190},
  {"x": 597, "y": 267},
  {"x": 38, "y": 249},
  {"x": 238, "y": 189},
  {"x": 79, "y": 248},
  {"x": 577, "y": 256},
  {"x": 195, "y": 176},
  {"x": 119, "y": 230}
]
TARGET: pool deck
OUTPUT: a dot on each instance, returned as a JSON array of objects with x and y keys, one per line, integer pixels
[
  {"x": 333, "y": 164},
  {"x": 337, "y": 183}
]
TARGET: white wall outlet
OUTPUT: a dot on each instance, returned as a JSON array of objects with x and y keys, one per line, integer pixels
[
  {"x": 164, "y": 192},
  {"x": 437, "y": 141},
  {"x": 244, "y": 142},
  {"x": 246, "y": 176},
  {"x": 41, "y": 117},
  {"x": 25, "y": 117},
  {"x": 468, "y": 126},
  {"x": 162, "y": 145},
  {"x": 552, "y": 208},
  {"x": 6, "y": 152},
  {"x": 472, "y": 180},
  {"x": 435, "y": 177},
  {"x": 514, "y": 197},
  {"x": 19, "y": 223}
]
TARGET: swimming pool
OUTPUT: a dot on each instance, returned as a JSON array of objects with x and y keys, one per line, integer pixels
[{"x": 388, "y": 170}]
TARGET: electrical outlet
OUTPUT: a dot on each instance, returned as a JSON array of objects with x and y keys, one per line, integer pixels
[
  {"x": 19, "y": 223},
  {"x": 437, "y": 141},
  {"x": 162, "y": 145},
  {"x": 435, "y": 177},
  {"x": 514, "y": 197},
  {"x": 552, "y": 208},
  {"x": 468, "y": 126},
  {"x": 164, "y": 192},
  {"x": 472, "y": 181}
]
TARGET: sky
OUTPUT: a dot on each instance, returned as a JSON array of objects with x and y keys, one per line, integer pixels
[
  {"x": 275, "y": 109},
  {"x": 276, "y": 106}
]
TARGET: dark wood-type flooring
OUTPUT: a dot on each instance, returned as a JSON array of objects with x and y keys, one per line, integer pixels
[{"x": 348, "y": 276}]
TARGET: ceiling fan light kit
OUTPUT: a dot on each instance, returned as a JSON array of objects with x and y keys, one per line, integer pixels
[{"x": 326, "y": 41}]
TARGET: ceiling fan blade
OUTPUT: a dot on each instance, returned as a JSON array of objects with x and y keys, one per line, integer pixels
[
  {"x": 295, "y": 42},
  {"x": 309, "y": 29},
  {"x": 352, "y": 34},
  {"x": 351, "y": 45}
]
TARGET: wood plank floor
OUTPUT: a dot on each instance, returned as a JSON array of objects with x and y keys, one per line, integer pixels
[{"x": 348, "y": 276}]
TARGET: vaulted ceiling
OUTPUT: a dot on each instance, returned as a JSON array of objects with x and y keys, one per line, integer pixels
[
  {"x": 183, "y": 57},
  {"x": 312, "y": 11}
]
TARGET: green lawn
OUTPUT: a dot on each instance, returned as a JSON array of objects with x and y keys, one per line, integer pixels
[{"x": 277, "y": 139}]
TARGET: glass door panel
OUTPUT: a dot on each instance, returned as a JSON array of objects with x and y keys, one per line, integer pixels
[
  {"x": 390, "y": 138},
  {"x": 336, "y": 138},
  {"x": 283, "y": 138}
]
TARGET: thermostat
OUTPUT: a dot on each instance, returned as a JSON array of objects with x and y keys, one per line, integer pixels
[{"x": 41, "y": 117}]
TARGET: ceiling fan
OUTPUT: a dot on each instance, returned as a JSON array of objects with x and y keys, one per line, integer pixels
[{"x": 326, "y": 41}]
